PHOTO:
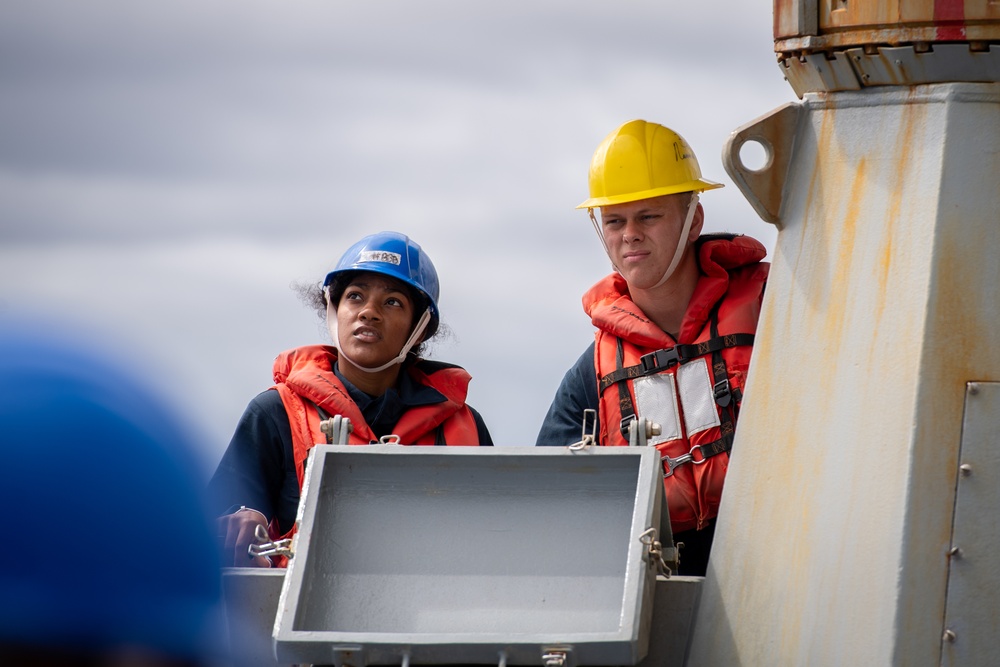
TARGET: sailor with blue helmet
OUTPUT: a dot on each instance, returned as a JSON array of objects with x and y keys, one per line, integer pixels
[{"x": 380, "y": 303}]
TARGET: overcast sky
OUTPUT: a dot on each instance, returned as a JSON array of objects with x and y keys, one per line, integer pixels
[{"x": 169, "y": 170}]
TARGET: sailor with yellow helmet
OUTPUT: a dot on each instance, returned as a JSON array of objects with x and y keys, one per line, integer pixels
[{"x": 675, "y": 325}]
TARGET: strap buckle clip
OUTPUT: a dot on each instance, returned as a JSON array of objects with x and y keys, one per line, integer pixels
[
  {"x": 723, "y": 396},
  {"x": 660, "y": 359}
]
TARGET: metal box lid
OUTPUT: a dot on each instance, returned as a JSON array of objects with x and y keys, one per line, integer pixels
[{"x": 491, "y": 555}]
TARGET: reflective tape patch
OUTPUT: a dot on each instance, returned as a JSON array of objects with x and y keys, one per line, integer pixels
[
  {"x": 383, "y": 256},
  {"x": 656, "y": 400},
  {"x": 696, "y": 397}
]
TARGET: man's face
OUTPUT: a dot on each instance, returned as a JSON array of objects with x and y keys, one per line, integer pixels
[{"x": 642, "y": 236}]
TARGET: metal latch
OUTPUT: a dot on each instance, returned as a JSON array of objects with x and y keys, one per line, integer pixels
[
  {"x": 336, "y": 429},
  {"x": 587, "y": 438},
  {"x": 265, "y": 547},
  {"x": 656, "y": 552},
  {"x": 555, "y": 657},
  {"x": 641, "y": 430}
]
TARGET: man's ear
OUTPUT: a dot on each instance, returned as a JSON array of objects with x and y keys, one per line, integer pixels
[{"x": 697, "y": 224}]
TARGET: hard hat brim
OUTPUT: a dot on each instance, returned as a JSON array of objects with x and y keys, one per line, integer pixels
[{"x": 699, "y": 185}]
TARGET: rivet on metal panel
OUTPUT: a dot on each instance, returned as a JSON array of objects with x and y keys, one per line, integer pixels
[
  {"x": 949, "y": 636},
  {"x": 955, "y": 552},
  {"x": 973, "y": 389},
  {"x": 965, "y": 470}
]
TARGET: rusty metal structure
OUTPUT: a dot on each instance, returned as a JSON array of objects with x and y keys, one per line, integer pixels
[
  {"x": 839, "y": 45},
  {"x": 856, "y": 525}
]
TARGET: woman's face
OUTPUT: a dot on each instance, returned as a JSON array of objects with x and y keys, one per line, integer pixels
[{"x": 374, "y": 319}]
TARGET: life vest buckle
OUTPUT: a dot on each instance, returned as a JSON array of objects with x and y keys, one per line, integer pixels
[
  {"x": 723, "y": 396},
  {"x": 661, "y": 359},
  {"x": 624, "y": 424}
]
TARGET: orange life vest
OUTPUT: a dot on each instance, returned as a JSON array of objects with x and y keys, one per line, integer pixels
[
  {"x": 305, "y": 380},
  {"x": 691, "y": 387}
]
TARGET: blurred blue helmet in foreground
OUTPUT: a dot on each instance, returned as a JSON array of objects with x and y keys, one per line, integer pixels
[
  {"x": 114, "y": 546},
  {"x": 394, "y": 255}
]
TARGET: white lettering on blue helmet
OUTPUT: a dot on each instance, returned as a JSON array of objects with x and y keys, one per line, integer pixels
[{"x": 382, "y": 256}]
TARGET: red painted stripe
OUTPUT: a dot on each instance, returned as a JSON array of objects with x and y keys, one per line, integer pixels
[
  {"x": 952, "y": 12},
  {"x": 949, "y": 10}
]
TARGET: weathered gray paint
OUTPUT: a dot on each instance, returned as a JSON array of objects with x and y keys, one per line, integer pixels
[
  {"x": 454, "y": 555},
  {"x": 252, "y": 602},
  {"x": 833, "y": 535},
  {"x": 972, "y": 612}
]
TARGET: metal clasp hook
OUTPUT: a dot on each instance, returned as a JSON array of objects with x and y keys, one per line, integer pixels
[
  {"x": 265, "y": 547},
  {"x": 682, "y": 459}
]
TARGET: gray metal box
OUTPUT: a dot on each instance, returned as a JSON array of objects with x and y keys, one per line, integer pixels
[{"x": 447, "y": 555}]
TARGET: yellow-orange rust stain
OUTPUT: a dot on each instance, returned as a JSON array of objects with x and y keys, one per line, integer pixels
[
  {"x": 904, "y": 170},
  {"x": 844, "y": 269}
]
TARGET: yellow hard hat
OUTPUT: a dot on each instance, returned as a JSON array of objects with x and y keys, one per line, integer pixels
[{"x": 640, "y": 160}]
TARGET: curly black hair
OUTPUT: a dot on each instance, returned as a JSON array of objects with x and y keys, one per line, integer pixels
[{"x": 314, "y": 296}]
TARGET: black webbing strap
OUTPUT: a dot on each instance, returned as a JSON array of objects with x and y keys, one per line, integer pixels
[
  {"x": 658, "y": 361},
  {"x": 624, "y": 397}
]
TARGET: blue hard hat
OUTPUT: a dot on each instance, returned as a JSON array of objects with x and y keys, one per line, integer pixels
[
  {"x": 115, "y": 546},
  {"x": 395, "y": 255}
]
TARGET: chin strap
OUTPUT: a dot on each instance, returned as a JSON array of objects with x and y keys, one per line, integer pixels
[
  {"x": 681, "y": 242},
  {"x": 331, "y": 325},
  {"x": 600, "y": 235}
]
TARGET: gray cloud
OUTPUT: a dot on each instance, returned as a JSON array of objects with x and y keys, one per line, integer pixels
[{"x": 168, "y": 169}]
